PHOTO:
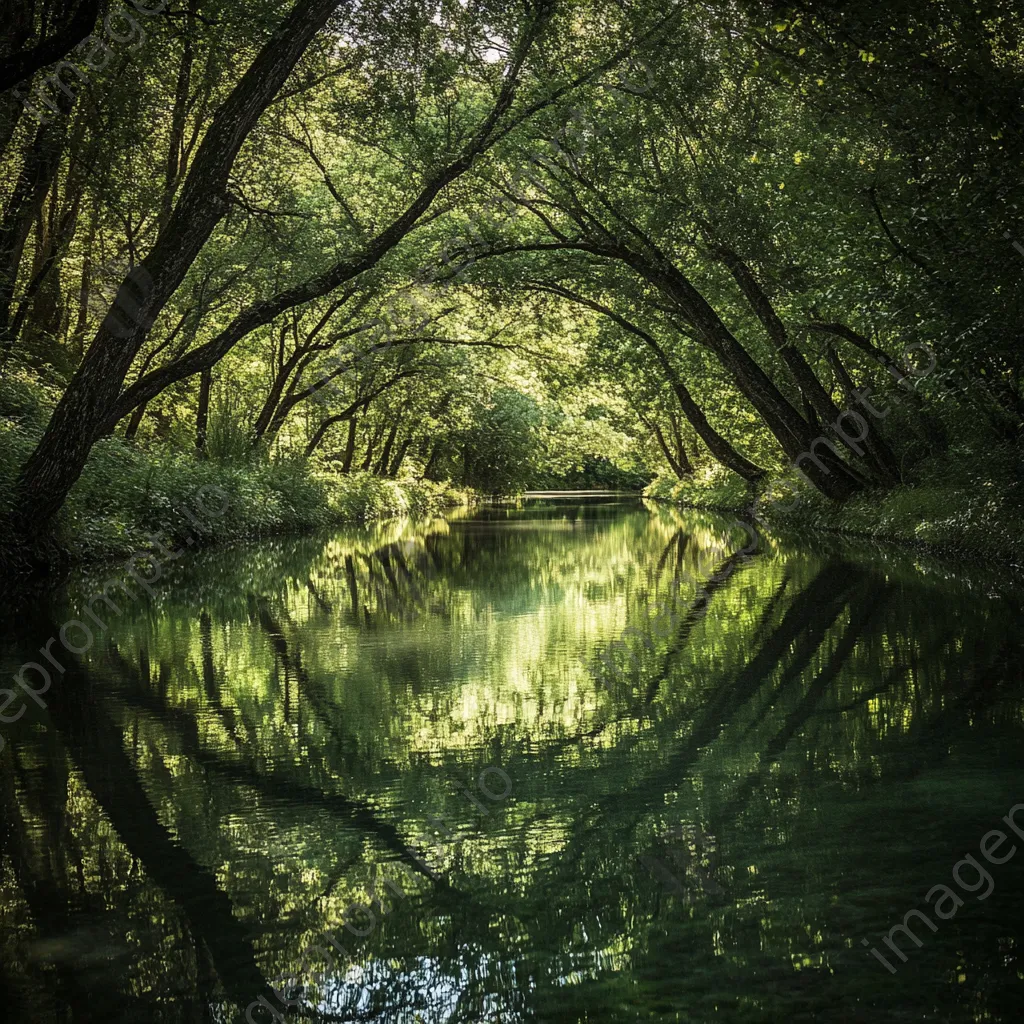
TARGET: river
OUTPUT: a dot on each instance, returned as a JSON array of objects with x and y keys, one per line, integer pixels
[{"x": 578, "y": 760}]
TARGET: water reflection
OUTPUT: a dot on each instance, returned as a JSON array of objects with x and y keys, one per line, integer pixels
[{"x": 726, "y": 770}]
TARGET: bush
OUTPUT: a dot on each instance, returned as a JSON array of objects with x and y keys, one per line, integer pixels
[
  {"x": 710, "y": 487},
  {"x": 127, "y": 492},
  {"x": 965, "y": 499}
]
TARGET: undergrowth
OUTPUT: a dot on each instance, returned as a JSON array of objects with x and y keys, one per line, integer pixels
[
  {"x": 960, "y": 500},
  {"x": 127, "y": 492}
]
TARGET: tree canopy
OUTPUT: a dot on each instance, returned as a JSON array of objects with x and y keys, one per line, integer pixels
[{"x": 511, "y": 243}]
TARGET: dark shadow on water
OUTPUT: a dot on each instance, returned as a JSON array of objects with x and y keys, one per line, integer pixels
[{"x": 727, "y": 767}]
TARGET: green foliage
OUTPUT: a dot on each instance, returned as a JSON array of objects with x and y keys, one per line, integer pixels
[
  {"x": 127, "y": 492},
  {"x": 712, "y": 488},
  {"x": 228, "y": 434},
  {"x": 968, "y": 500},
  {"x": 857, "y": 160},
  {"x": 965, "y": 499},
  {"x": 502, "y": 448}
]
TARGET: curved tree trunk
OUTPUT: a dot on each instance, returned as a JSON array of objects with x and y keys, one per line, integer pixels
[
  {"x": 881, "y": 457},
  {"x": 132, "y": 429},
  {"x": 370, "y": 447},
  {"x": 77, "y": 422},
  {"x": 719, "y": 447},
  {"x": 678, "y": 462},
  {"x": 828, "y": 473}
]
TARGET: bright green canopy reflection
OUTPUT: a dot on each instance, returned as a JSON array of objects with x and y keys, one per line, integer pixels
[{"x": 717, "y": 791}]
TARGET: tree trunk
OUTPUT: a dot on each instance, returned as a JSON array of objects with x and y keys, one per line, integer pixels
[
  {"x": 374, "y": 438},
  {"x": 828, "y": 473},
  {"x": 271, "y": 417},
  {"x": 321, "y": 432},
  {"x": 350, "y": 445},
  {"x": 135, "y": 421},
  {"x": 396, "y": 462},
  {"x": 175, "y": 159},
  {"x": 385, "y": 455},
  {"x": 77, "y": 340},
  {"x": 881, "y": 457},
  {"x": 681, "y": 469},
  {"x": 680, "y": 448},
  {"x": 76, "y": 423},
  {"x": 435, "y": 454},
  {"x": 23, "y": 63}
]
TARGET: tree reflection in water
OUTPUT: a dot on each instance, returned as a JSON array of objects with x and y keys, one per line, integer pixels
[{"x": 705, "y": 822}]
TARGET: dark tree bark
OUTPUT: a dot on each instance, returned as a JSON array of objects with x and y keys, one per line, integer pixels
[
  {"x": 321, "y": 432},
  {"x": 826, "y": 471},
  {"x": 21, "y": 64},
  {"x": 882, "y": 459},
  {"x": 174, "y": 166},
  {"x": 829, "y": 474},
  {"x": 678, "y": 460},
  {"x": 677, "y": 437},
  {"x": 385, "y": 455},
  {"x": 362, "y": 401},
  {"x": 377, "y": 434},
  {"x": 431, "y": 463},
  {"x": 350, "y": 445},
  {"x": 135, "y": 421},
  {"x": 268, "y": 413},
  {"x": 57, "y": 461},
  {"x": 396, "y": 462},
  {"x": 77, "y": 339},
  {"x": 264, "y": 312}
]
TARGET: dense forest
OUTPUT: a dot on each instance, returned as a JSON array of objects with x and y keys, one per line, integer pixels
[
  {"x": 343, "y": 259},
  {"x": 511, "y": 511}
]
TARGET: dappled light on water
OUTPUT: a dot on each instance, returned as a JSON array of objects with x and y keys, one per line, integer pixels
[{"x": 574, "y": 760}]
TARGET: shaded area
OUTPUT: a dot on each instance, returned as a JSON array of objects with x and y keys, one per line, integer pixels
[{"x": 727, "y": 767}]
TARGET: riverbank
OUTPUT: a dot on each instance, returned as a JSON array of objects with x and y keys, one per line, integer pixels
[
  {"x": 127, "y": 492},
  {"x": 960, "y": 506}
]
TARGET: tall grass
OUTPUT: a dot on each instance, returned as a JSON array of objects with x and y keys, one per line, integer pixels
[{"x": 127, "y": 492}]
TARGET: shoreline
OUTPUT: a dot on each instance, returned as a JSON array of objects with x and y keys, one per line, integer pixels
[{"x": 789, "y": 528}]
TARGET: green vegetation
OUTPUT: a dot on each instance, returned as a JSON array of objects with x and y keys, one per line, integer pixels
[
  {"x": 960, "y": 497},
  {"x": 537, "y": 243}
]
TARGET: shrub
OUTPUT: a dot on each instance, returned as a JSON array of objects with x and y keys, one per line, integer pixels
[
  {"x": 711, "y": 487},
  {"x": 127, "y": 492}
]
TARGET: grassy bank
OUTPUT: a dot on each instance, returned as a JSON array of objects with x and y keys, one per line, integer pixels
[
  {"x": 127, "y": 492},
  {"x": 956, "y": 502}
]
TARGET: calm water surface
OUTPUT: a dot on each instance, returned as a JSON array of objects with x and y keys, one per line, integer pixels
[{"x": 520, "y": 766}]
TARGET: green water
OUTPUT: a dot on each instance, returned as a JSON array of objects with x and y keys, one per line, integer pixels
[{"x": 581, "y": 781}]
